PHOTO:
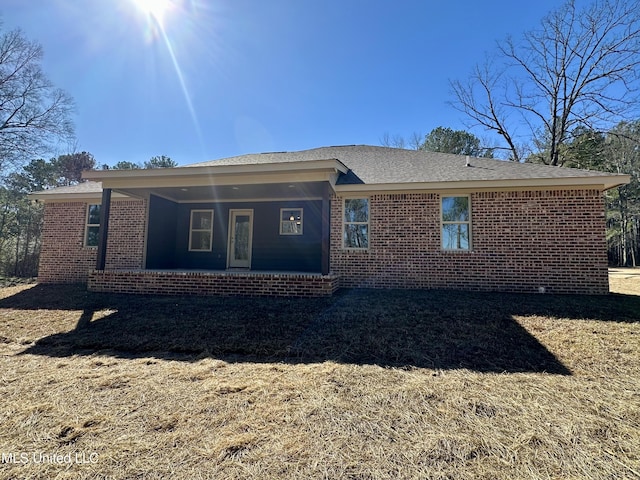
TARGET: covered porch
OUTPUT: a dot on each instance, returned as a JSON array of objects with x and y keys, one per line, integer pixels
[{"x": 226, "y": 230}]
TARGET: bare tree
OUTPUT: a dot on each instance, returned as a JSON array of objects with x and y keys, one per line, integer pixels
[
  {"x": 34, "y": 116},
  {"x": 393, "y": 141},
  {"x": 414, "y": 142},
  {"x": 578, "y": 69}
]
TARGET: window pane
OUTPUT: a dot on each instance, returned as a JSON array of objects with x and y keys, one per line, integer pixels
[
  {"x": 356, "y": 210},
  {"x": 291, "y": 221},
  {"x": 356, "y": 236},
  {"x": 455, "y": 236},
  {"x": 94, "y": 215},
  {"x": 455, "y": 209},
  {"x": 92, "y": 236},
  {"x": 291, "y": 227},
  {"x": 201, "y": 220},
  {"x": 200, "y": 241},
  {"x": 241, "y": 245},
  {"x": 291, "y": 215}
]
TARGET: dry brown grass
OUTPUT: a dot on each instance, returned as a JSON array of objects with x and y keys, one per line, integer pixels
[
  {"x": 367, "y": 385},
  {"x": 625, "y": 280}
]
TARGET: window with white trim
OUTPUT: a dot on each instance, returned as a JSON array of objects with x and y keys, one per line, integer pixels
[
  {"x": 456, "y": 222},
  {"x": 201, "y": 231},
  {"x": 92, "y": 226},
  {"x": 356, "y": 223},
  {"x": 291, "y": 221}
]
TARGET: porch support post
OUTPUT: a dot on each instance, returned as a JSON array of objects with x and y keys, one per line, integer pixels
[
  {"x": 326, "y": 230},
  {"x": 103, "y": 232}
]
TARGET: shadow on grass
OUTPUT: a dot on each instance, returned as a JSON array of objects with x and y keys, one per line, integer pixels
[{"x": 430, "y": 329}]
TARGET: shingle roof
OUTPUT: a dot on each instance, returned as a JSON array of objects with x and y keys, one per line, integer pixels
[
  {"x": 79, "y": 189},
  {"x": 384, "y": 165}
]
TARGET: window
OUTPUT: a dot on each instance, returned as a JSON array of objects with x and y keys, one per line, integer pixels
[
  {"x": 356, "y": 223},
  {"x": 291, "y": 221},
  {"x": 201, "y": 231},
  {"x": 456, "y": 223},
  {"x": 92, "y": 226}
]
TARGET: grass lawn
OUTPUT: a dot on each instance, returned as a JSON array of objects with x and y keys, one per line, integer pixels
[{"x": 364, "y": 385}]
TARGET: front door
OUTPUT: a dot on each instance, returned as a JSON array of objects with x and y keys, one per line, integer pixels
[{"x": 240, "y": 238}]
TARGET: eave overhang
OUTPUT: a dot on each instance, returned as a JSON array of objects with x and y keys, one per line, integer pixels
[
  {"x": 601, "y": 182},
  {"x": 93, "y": 197},
  {"x": 173, "y": 182},
  {"x": 219, "y": 175}
]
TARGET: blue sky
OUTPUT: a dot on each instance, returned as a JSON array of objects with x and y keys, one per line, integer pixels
[{"x": 228, "y": 77}]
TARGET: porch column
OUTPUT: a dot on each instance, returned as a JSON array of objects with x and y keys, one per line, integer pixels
[
  {"x": 326, "y": 230},
  {"x": 103, "y": 232}
]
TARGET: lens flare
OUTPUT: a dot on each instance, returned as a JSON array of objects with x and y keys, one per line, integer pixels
[
  {"x": 159, "y": 13},
  {"x": 154, "y": 8}
]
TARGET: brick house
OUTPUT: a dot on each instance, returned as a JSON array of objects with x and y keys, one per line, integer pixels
[{"x": 307, "y": 223}]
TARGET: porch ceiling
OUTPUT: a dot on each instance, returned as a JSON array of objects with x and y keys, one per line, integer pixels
[{"x": 189, "y": 194}]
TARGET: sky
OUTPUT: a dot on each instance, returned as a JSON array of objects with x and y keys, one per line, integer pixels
[{"x": 205, "y": 79}]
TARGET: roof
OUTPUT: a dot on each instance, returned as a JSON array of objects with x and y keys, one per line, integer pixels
[
  {"x": 385, "y": 165},
  {"x": 81, "y": 190},
  {"x": 84, "y": 187},
  {"x": 355, "y": 168}
]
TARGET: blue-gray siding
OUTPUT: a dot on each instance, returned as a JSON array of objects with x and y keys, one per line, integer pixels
[{"x": 167, "y": 243}]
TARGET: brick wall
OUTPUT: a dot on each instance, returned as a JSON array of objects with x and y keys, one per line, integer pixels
[
  {"x": 63, "y": 256},
  {"x": 213, "y": 283},
  {"x": 127, "y": 231},
  {"x": 522, "y": 241}
]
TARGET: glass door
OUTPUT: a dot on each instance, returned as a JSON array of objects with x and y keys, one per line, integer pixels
[{"x": 240, "y": 238}]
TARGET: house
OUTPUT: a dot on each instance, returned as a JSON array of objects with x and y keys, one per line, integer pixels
[{"x": 307, "y": 223}]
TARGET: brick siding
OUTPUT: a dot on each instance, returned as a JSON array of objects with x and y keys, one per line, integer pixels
[
  {"x": 63, "y": 256},
  {"x": 522, "y": 241},
  {"x": 213, "y": 283},
  {"x": 127, "y": 232}
]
